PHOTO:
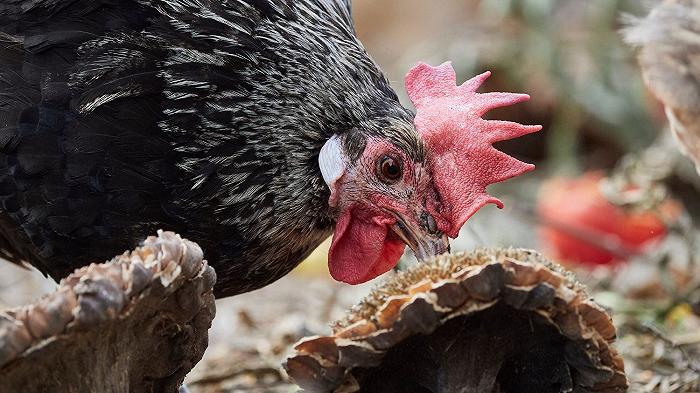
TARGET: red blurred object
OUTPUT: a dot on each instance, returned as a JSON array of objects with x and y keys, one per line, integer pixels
[{"x": 577, "y": 223}]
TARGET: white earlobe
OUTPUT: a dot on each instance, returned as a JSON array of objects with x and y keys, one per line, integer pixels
[{"x": 331, "y": 162}]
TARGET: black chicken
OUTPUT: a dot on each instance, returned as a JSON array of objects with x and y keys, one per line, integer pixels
[{"x": 219, "y": 120}]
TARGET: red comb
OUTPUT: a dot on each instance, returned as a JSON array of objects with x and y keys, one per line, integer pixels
[{"x": 462, "y": 159}]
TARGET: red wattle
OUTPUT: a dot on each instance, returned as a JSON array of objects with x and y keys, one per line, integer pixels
[{"x": 361, "y": 249}]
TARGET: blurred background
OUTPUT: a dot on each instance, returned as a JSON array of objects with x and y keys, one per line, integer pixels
[{"x": 611, "y": 198}]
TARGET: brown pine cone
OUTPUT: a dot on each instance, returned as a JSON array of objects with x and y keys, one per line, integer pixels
[
  {"x": 137, "y": 323},
  {"x": 488, "y": 321}
]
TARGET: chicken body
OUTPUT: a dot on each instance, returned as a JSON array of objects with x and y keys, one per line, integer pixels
[
  {"x": 204, "y": 117},
  {"x": 669, "y": 55}
]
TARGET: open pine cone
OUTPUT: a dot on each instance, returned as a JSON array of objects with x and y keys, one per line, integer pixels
[
  {"x": 488, "y": 321},
  {"x": 137, "y": 323}
]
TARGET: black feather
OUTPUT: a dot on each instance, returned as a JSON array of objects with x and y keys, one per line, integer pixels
[{"x": 121, "y": 117}]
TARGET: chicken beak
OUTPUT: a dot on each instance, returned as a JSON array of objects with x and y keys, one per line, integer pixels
[{"x": 421, "y": 236}]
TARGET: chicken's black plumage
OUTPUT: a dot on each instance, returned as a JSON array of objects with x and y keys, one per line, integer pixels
[{"x": 205, "y": 117}]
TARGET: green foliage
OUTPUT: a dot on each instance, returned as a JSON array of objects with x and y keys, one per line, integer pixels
[{"x": 570, "y": 56}]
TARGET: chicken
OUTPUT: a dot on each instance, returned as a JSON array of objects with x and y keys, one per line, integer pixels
[
  {"x": 253, "y": 127},
  {"x": 669, "y": 42}
]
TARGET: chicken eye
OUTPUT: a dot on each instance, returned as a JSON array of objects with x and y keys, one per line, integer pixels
[{"x": 389, "y": 169}]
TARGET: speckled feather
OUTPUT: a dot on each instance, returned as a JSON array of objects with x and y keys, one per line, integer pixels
[
  {"x": 202, "y": 117},
  {"x": 669, "y": 56}
]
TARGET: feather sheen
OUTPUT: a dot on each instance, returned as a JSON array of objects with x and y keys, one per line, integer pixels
[{"x": 119, "y": 118}]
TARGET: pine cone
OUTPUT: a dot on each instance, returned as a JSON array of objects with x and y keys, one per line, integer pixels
[
  {"x": 137, "y": 323},
  {"x": 488, "y": 321}
]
